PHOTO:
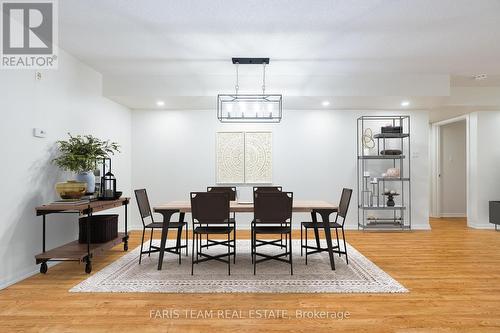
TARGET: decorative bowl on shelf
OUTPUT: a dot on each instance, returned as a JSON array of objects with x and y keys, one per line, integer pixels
[
  {"x": 71, "y": 189},
  {"x": 118, "y": 194}
]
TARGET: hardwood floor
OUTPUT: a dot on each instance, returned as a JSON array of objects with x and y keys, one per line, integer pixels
[{"x": 452, "y": 273}]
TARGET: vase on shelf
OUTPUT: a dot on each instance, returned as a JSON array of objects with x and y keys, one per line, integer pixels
[
  {"x": 71, "y": 190},
  {"x": 88, "y": 178}
]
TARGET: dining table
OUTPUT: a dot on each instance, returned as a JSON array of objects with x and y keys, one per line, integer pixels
[{"x": 314, "y": 207}]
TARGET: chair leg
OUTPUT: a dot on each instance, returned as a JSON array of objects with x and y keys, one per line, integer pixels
[
  {"x": 178, "y": 242},
  {"x": 281, "y": 236},
  {"x": 228, "y": 253},
  {"x": 234, "y": 242},
  {"x": 307, "y": 250},
  {"x": 254, "y": 256},
  {"x": 338, "y": 243},
  {"x": 192, "y": 253},
  {"x": 251, "y": 243},
  {"x": 187, "y": 235},
  {"x": 150, "y": 242},
  {"x": 291, "y": 259},
  {"x": 142, "y": 244},
  {"x": 301, "y": 242},
  {"x": 345, "y": 247}
]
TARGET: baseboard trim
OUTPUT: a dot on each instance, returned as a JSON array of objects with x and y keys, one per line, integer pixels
[
  {"x": 482, "y": 226},
  {"x": 454, "y": 215},
  {"x": 22, "y": 276}
]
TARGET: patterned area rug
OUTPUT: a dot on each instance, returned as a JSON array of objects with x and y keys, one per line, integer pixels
[{"x": 126, "y": 275}]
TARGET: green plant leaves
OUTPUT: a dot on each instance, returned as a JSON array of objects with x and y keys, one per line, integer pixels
[{"x": 81, "y": 153}]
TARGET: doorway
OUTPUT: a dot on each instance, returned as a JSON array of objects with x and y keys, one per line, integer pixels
[
  {"x": 450, "y": 160},
  {"x": 453, "y": 173}
]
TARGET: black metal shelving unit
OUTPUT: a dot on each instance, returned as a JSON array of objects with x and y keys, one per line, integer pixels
[{"x": 373, "y": 211}]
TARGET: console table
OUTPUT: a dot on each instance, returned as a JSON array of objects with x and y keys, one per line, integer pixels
[{"x": 75, "y": 251}]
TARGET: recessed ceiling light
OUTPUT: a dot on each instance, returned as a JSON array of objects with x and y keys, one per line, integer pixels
[
  {"x": 405, "y": 103},
  {"x": 160, "y": 103},
  {"x": 325, "y": 103}
]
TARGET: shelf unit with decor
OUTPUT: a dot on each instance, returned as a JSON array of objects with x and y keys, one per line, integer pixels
[{"x": 383, "y": 144}]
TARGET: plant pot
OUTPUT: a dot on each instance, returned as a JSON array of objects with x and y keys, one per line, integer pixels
[
  {"x": 71, "y": 190},
  {"x": 88, "y": 178}
]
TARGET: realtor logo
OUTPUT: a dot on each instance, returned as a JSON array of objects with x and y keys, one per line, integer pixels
[{"x": 29, "y": 34}]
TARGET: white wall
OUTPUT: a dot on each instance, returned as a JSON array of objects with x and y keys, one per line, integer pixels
[
  {"x": 484, "y": 166},
  {"x": 314, "y": 155},
  {"x": 65, "y": 100},
  {"x": 453, "y": 169}
]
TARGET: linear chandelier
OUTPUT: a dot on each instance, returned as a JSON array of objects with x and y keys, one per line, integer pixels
[{"x": 250, "y": 108}]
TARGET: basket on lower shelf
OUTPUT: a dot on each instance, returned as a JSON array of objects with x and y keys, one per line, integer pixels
[{"x": 103, "y": 228}]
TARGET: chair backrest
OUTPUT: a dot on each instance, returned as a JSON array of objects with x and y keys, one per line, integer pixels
[
  {"x": 141, "y": 197},
  {"x": 273, "y": 207},
  {"x": 210, "y": 207},
  {"x": 231, "y": 190},
  {"x": 267, "y": 189},
  {"x": 345, "y": 200}
]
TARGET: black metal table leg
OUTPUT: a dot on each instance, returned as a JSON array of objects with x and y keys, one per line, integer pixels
[
  {"x": 167, "y": 215},
  {"x": 88, "y": 261},
  {"x": 43, "y": 234},
  {"x": 315, "y": 226},
  {"x": 328, "y": 236},
  {"x": 125, "y": 239}
]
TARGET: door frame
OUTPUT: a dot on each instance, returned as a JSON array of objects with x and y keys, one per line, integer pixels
[{"x": 435, "y": 152}]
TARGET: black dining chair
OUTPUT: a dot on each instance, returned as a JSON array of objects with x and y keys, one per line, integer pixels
[
  {"x": 272, "y": 189},
  {"x": 145, "y": 211},
  {"x": 231, "y": 191},
  {"x": 272, "y": 215},
  {"x": 211, "y": 216},
  {"x": 337, "y": 224}
]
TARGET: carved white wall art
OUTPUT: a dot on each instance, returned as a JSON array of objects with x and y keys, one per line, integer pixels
[
  {"x": 230, "y": 157},
  {"x": 258, "y": 157},
  {"x": 244, "y": 157}
]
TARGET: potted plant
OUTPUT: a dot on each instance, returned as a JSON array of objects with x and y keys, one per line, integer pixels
[{"x": 80, "y": 154}]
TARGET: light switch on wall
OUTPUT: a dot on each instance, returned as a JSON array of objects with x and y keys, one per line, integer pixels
[{"x": 39, "y": 133}]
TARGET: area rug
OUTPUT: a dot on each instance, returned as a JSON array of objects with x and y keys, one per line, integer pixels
[{"x": 126, "y": 275}]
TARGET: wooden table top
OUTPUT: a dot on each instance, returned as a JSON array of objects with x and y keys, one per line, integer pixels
[
  {"x": 302, "y": 206},
  {"x": 97, "y": 205}
]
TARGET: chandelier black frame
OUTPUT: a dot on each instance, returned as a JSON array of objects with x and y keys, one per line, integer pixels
[{"x": 274, "y": 102}]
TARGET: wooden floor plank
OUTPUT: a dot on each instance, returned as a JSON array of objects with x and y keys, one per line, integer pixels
[{"x": 451, "y": 272}]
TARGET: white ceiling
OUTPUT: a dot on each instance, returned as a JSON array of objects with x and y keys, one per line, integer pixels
[{"x": 303, "y": 38}]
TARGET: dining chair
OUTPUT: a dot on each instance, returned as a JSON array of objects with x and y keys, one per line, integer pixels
[
  {"x": 145, "y": 211},
  {"x": 345, "y": 200},
  {"x": 210, "y": 215},
  {"x": 272, "y": 189},
  {"x": 231, "y": 191},
  {"x": 272, "y": 215},
  {"x": 268, "y": 188}
]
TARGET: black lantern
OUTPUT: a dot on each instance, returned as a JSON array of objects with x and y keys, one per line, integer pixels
[{"x": 108, "y": 186}]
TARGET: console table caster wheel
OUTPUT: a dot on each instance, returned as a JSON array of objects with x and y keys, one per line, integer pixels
[
  {"x": 88, "y": 268},
  {"x": 43, "y": 268}
]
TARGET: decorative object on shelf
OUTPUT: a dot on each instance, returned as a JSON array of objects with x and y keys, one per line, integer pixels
[
  {"x": 71, "y": 190},
  {"x": 244, "y": 158},
  {"x": 251, "y": 108},
  {"x": 103, "y": 228},
  {"x": 390, "y": 198},
  {"x": 391, "y": 152},
  {"x": 108, "y": 183},
  {"x": 392, "y": 173},
  {"x": 79, "y": 154},
  {"x": 368, "y": 141},
  {"x": 391, "y": 129}
]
